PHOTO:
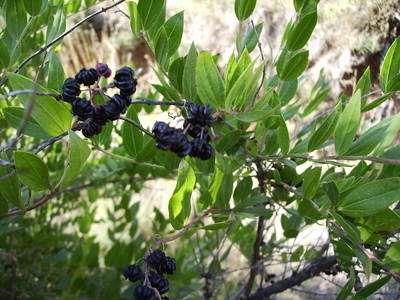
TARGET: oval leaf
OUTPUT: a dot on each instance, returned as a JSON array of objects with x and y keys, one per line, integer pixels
[
  {"x": 295, "y": 66},
  {"x": 131, "y": 135},
  {"x": 31, "y": 171},
  {"x": 371, "y": 198},
  {"x": 301, "y": 33}
]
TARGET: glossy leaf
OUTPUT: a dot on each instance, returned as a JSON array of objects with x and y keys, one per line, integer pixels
[
  {"x": 33, "y": 7},
  {"x": 347, "y": 125},
  {"x": 250, "y": 39},
  {"x": 10, "y": 187},
  {"x": 376, "y": 103},
  {"x": 57, "y": 25},
  {"x": 295, "y": 66},
  {"x": 370, "y": 198},
  {"x": 305, "y": 6},
  {"x": 325, "y": 130},
  {"x": 72, "y": 6},
  {"x": 51, "y": 115},
  {"x": 228, "y": 141},
  {"x": 389, "y": 135},
  {"x": 134, "y": 18},
  {"x": 254, "y": 115},
  {"x": 179, "y": 205},
  {"x": 31, "y": 171},
  {"x": 56, "y": 76},
  {"x": 131, "y": 135},
  {"x": 15, "y": 18},
  {"x": 4, "y": 55},
  {"x": 149, "y": 10},
  {"x": 391, "y": 64},
  {"x": 392, "y": 257},
  {"x": 394, "y": 84},
  {"x": 364, "y": 84},
  {"x": 283, "y": 136},
  {"x": 288, "y": 91},
  {"x": 210, "y": 85},
  {"x": 15, "y": 116},
  {"x": 244, "y": 8},
  {"x": 175, "y": 74},
  {"x": 174, "y": 30},
  {"x": 301, "y": 33},
  {"x": 78, "y": 153},
  {"x": 311, "y": 182},
  {"x": 161, "y": 48},
  {"x": 189, "y": 75}
]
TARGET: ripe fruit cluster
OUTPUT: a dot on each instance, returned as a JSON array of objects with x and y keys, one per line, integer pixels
[
  {"x": 154, "y": 281},
  {"x": 99, "y": 115},
  {"x": 196, "y": 125}
]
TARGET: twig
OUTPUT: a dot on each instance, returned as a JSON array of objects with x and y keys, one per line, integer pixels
[
  {"x": 61, "y": 36},
  {"x": 264, "y": 73},
  {"x": 155, "y": 102},
  {"x": 7, "y": 164},
  {"x": 19, "y": 92},
  {"x": 141, "y": 128}
]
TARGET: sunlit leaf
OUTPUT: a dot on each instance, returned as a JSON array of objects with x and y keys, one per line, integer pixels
[
  {"x": 391, "y": 64},
  {"x": 301, "y": 33},
  {"x": 10, "y": 187},
  {"x": 244, "y": 8},
  {"x": 295, "y": 66},
  {"x": 149, "y": 10}
]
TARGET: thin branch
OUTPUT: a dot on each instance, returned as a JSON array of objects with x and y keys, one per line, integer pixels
[
  {"x": 141, "y": 128},
  {"x": 7, "y": 164},
  {"x": 321, "y": 264},
  {"x": 61, "y": 36},
  {"x": 156, "y": 102},
  {"x": 264, "y": 73},
  {"x": 19, "y": 92}
]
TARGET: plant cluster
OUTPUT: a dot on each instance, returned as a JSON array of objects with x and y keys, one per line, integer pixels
[
  {"x": 196, "y": 124},
  {"x": 152, "y": 281},
  {"x": 99, "y": 115}
]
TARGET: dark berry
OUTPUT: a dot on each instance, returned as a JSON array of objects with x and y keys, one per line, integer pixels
[
  {"x": 201, "y": 149},
  {"x": 82, "y": 108},
  {"x": 196, "y": 131},
  {"x": 92, "y": 128},
  {"x": 70, "y": 89},
  {"x": 143, "y": 292},
  {"x": 87, "y": 77},
  {"x": 159, "y": 282},
  {"x": 102, "y": 69},
  {"x": 133, "y": 272},
  {"x": 115, "y": 106},
  {"x": 125, "y": 81},
  {"x": 100, "y": 115},
  {"x": 156, "y": 259},
  {"x": 169, "y": 266},
  {"x": 200, "y": 115},
  {"x": 181, "y": 146}
]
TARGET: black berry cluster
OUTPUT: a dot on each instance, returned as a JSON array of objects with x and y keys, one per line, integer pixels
[
  {"x": 196, "y": 125},
  {"x": 101, "y": 114},
  {"x": 155, "y": 280}
]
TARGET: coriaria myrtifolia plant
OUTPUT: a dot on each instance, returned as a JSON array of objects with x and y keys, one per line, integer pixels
[{"x": 260, "y": 153}]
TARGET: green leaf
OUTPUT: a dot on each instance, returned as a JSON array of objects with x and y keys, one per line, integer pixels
[
  {"x": 57, "y": 25},
  {"x": 391, "y": 64},
  {"x": 394, "y": 84},
  {"x": 283, "y": 136},
  {"x": 149, "y": 10},
  {"x": 250, "y": 39},
  {"x": 242, "y": 190},
  {"x": 4, "y": 55},
  {"x": 189, "y": 75},
  {"x": 288, "y": 91},
  {"x": 389, "y": 135},
  {"x": 364, "y": 84},
  {"x": 10, "y": 187},
  {"x": 174, "y": 29},
  {"x": 51, "y": 115},
  {"x": 15, "y": 18},
  {"x": 258, "y": 199},
  {"x": 15, "y": 116},
  {"x": 346, "y": 128},
  {"x": 72, "y": 6},
  {"x": 331, "y": 189},
  {"x": 161, "y": 48},
  {"x": 367, "y": 142},
  {"x": 372, "y": 287},
  {"x": 148, "y": 151},
  {"x": 305, "y": 6},
  {"x": 254, "y": 115},
  {"x": 210, "y": 85},
  {"x": 132, "y": 137},
  {"x": 78, "y": 153},
  {"x": 348, "y": 287},
  {"x": 134, "y": 18},
  {"x": 301, "y": 33},
  {"x": 370, "y": 198},
  {"x": 244, "y": 8},
  {"x": 31, "y": 171},
  {"x": 175, "y": 74},
  {"x": 216, "y": 226},
  {"x": 220, "y": 190},
  {"x": 56, "y": 76},
  {"x": 228, "y": 140},
  {"x": 311, "y": 182},
  {"x": 376, "y": 103},
  {"x": 295, "y": 66},
  {"x": 351, "y": 231},
  {"x": 392, "y": 257},
  {"x": 179, "y": 205},
  {"x": 325, "y": 130},
  {"x": 33, "y": 7}
]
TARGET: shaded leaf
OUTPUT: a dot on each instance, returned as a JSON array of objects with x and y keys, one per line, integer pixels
[
  {"x": 149, "y": 10},
  {"x": 174, "y": 30},
  {"x": 31, "y": 171},
  {"x": 10, "y": 187},
  {"x": 131, "y": 135}
]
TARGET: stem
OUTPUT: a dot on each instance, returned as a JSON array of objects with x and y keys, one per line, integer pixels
[
  {"x": 155, "y": 102},
  {"x": 141, "y": 128},
  {"x": 19, "y": 92}
]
